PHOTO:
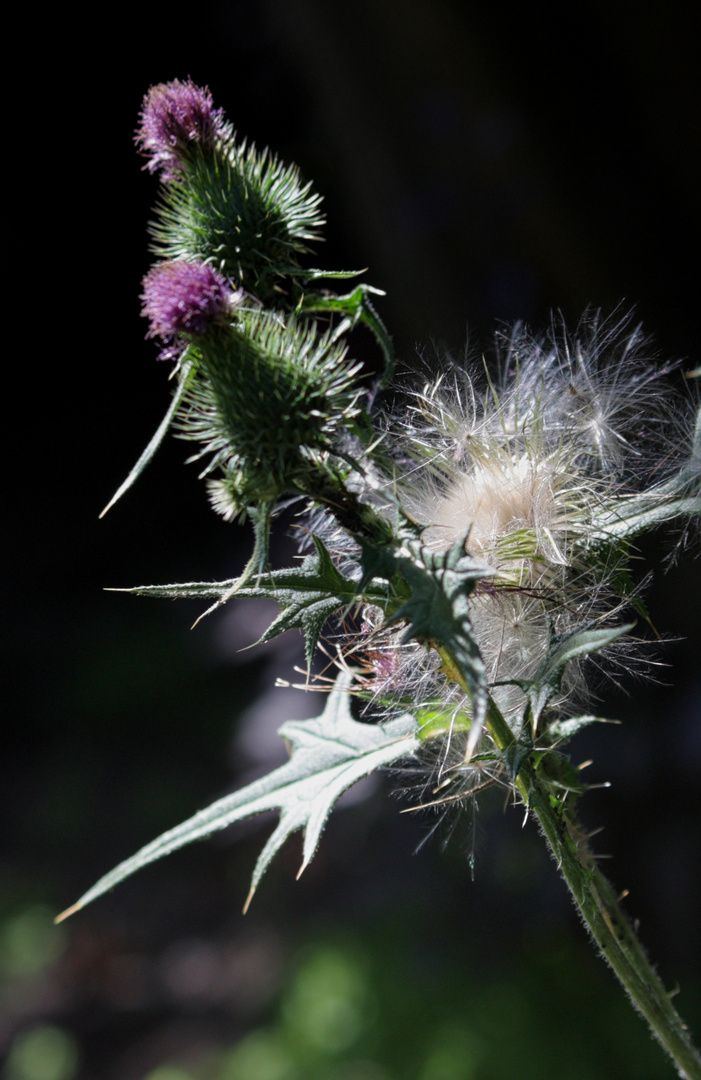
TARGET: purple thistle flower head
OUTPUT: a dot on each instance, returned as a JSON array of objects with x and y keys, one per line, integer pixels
[
  {"x": 183, "y": 298},
  {"x": 174, "y": 117}
]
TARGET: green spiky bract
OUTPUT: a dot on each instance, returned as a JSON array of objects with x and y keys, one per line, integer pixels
[
  {"x": 243, "y": 210},
  {"x": 251, "y": 217},
  {"x": 269, "y": 400}
]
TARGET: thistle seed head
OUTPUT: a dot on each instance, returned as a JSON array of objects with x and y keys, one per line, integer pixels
[{"x": 527, "y": 468}]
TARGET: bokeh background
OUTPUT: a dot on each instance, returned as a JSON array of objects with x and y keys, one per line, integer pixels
[{"x": 486, "y": 162}]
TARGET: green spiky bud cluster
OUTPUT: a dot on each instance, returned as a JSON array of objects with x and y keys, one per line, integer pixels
[
  {"x": 241, "y": 210},
  {"x": 268, "y": 402},
  {"x": 223, "y": 202},
  {"x": 265, "y": 389}
]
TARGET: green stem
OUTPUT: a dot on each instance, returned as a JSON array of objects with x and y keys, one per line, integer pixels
[
  {"x": 600, "y": 908},
  {"x": 359, "y": 519},
  {"x": 592, "y": 893}
]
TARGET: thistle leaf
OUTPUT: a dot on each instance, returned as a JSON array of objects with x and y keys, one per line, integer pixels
[
  {"x": 566, "y": 647},
  {"x": 308, "y": 594},
  {"x": 317, "y": 275},
  {"x": 157, "y": 438},
  {"x": 328, "y": 755},
  {"x": 357, "y": 308},
  {"x": 565, "y": 729},
  {"x": 514, "y": 756},
  {"x": 644, "y": 512},
  {"x": 188, "y": 590},
  {"x": 562, "y": 649},
  {"x": 438, "y": 612},
  {"x": 311, "y": 594}
]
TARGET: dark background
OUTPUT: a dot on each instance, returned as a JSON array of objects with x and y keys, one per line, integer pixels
[{"x": 485, "y": 162}]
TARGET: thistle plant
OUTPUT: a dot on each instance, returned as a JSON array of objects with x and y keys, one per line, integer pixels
[{"x": 476, "y": 537}]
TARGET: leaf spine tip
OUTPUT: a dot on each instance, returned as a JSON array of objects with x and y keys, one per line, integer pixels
[{"x": 69, "y": 911}]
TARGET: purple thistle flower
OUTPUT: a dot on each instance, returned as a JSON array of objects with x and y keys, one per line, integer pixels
[
  {"x": 184, "y": 298},
  {"x": 174, "y": 117}
]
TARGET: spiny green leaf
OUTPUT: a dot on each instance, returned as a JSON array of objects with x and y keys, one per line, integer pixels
[
  {"x": 328, "y": 755},
  {"x": 438, "y": 612},
  {"x": 378, "y": 562},
  {"x": 317, "y": 275},
  {"x": 582, "y": 642},
  {"x": 357, "y": 308},
  {"x": 514, "y": 756},
  {"x": 565, "y": 729},
  {"x": 308, "y": 594},
  {"x": 188, "y": 590},
  {"x": 312, "y": 594},
  {"x": 561, "y": 650},
  {"x": 644, "y": 512},
  {"x": 679, "y": 496},
  {"x": 185, "y": 372}
]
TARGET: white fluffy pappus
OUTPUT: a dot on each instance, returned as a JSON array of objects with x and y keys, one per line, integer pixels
[{"x": 527, "y": 466}]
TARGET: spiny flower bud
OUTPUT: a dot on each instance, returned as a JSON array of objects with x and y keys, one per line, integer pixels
[
  {"x": 184, "y": 299},
  {"x": 268, "y": 404},
  {"x": 176, "y": 116},
  {"x": 225, "y": 202}
]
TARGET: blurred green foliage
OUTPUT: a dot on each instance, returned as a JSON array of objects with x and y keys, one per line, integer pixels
[
  {"x": 46, "y": 1052},
  {"x": 347, "y": 1011},
  {"x": 29, "y": 941}
]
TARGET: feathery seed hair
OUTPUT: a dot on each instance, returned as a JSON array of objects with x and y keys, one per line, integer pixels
[{"x": 526, "y": 468}]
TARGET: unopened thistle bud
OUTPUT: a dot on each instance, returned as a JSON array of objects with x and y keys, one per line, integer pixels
[
  {"x": 268, "y": 404},
  {"x": 224, "y": 203}
]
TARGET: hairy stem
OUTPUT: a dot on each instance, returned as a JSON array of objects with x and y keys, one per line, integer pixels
[
  {"x": 593, "y": 894},
  {"x": 600, "y": 907},
  {"x": 356, "y": 517}
]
